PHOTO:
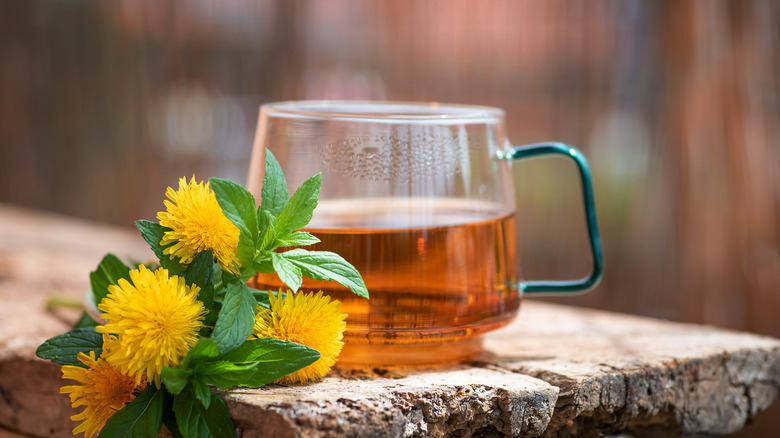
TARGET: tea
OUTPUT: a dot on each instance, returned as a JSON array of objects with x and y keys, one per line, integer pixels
[{"x": 440, "y": 272}]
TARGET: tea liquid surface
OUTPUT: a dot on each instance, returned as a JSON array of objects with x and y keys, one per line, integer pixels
[{"x": 437, "y": 270}]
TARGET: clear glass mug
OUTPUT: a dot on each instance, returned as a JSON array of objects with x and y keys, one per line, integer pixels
[{"x": 420, "y": 199}]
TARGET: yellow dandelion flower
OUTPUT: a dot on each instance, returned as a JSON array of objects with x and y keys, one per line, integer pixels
[
  {"x": 307, "y": 319},
  {"x": 102, "y": 388},
  {"x": 197, "y": 223},
  {"x": 156, "y": 318}
]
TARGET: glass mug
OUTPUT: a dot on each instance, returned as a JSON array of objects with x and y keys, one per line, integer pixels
[{"x": 419, "y": 198}]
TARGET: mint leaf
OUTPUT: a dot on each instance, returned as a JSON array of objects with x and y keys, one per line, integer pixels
[
  {"x": 198, "y": 421},
  {"x": 274, "y": 186},
  {"x": 225, "y": 374},
  {"x": 153, "y": 233},
  {"x": 258, "y": 362},
  {"x": 199, "y": 273},
  {"x": 239, "y": 206},
  {"x": 205, "y": 349},
  {"x": 268, "y": 235},
  {"x": 169, "y": 419},
  {"x": 108, "y": 272},
  {"x": 219, "y": 419},
  {"x": 262, "y": 224},
  {"x": 264, "y": 266},
  {"x": 141, "y": 418},
  {"x": 268, "y": 350},
  {"x": 176, "y": 378},
  {"x": 287, "y": 271},
  {"x": 236, "y": 318},
  {"x": 327, "y": 266},
  {"x": 297, "y": 238},
  {"x": 201, "y": 390},
  {"x": 64, "y": 348},
  {"x": 298, "y": 211}
]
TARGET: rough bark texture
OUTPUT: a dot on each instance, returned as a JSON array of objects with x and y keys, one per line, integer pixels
[
  {"x": 462, "y": 401},
  {"x": 619, "y": 373},
  {"x": 556, "y": 371}
]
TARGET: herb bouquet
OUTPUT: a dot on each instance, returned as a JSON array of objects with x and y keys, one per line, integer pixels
[{"x": 172, "y": 332}]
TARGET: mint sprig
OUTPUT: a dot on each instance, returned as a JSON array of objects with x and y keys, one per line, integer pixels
[{"x": 280, "y": 221}]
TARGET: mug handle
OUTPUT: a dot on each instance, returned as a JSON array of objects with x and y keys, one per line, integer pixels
[{"x": 583, "y": 284}]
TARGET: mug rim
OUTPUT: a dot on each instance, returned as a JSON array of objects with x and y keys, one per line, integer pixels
[{"x": 383, "y": 111}]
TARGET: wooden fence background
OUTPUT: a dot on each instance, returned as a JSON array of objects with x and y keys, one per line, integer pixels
[{"x": 675, "y": 102}]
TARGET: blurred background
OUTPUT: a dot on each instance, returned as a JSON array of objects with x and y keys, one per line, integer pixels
[{"x": 676, "y": 103}]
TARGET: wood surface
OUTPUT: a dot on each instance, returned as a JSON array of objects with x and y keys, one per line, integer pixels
[{"x": 556, "y": 371}]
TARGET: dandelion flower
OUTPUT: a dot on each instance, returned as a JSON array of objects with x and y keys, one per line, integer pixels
[
  {"x": 156, "y": 318},
  {"x": 307, "y": 319},
  {"x": 197, "y": 223},
  {"x": 102, "y": 388}
]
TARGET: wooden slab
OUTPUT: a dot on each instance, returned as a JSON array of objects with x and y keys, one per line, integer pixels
[
  {"x": 621, "y": 373},
  {"x": 556, "y": 371},
  {"x": 458, "y": 401}
]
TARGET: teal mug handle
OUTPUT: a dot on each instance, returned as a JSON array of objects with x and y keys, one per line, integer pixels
[{"x": 583, "y": 284}]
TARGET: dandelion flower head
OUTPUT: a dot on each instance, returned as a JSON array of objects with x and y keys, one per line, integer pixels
[
  {"x": 197, "y": 223},
  {"x": 156, "y": 318},
  {"x": 102, "y": 389},
  {"x": 309, "y": 319}
]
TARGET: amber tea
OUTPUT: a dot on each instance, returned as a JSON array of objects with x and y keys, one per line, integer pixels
[{"x": 437, "y": 270}]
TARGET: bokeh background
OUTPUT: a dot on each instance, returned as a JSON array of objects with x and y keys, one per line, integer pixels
[{"x": 676, "y": 103}]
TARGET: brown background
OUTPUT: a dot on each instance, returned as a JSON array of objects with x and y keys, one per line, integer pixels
[{"x": 675, "y": 103}]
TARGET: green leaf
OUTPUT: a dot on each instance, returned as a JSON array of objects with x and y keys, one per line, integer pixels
[
  {"x": 264, "y": 266},
  {"x": 176, "y": 378},
  {"x": 287, "y": 271},
  {"x": 201, "y": 390},
  {"x": 269, "y": 350},
  {"x": 85, "y": 321},
  {"x": 108, "y": 272},
  {"x": 239, "y": 206},
  {"x": 169, "y": 419},
  {"x": 225, "y": 374},
  {"x": 236, "y": 318},
  {"x": 199, "y": 273},
  {"x": 258, "y": 362},
  {"x": 219, "y": 419},
  {"x": 141, "y": 418},
  {"x": 274, "y": 186},
  {"x": 268, "y": 235},
  {"x": 298, "y": 211},
  {"x": 297, "y": 238},
  {"x": 64, "y": 348},
  {"x": 328, "y": 266},
  {"x": 198, "y": 421},
  {"x": 261, "y": 297},
  {"x": 205, "y": 349},
  {"x": 153, "y": 233}
]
